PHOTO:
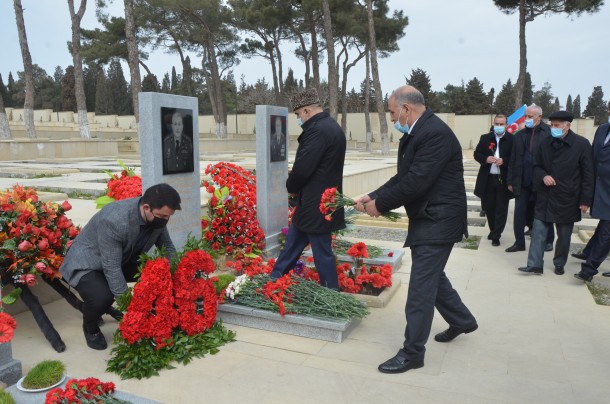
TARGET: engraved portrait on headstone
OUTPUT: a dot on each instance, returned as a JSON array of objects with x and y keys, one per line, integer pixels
[
  {"x": 177, "y": 135},
  {"x": 278, "y": 137}
]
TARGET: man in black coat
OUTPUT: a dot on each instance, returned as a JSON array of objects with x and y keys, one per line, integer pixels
[
  {"x": 430, "y": 185},
  {"x": 520, "y": 175},
  {"x": 598, "y": 247},
  {"x": 493, "y": 153},
  {"x": 563, "y": 180},
  {"x": 318, "y": 165}
]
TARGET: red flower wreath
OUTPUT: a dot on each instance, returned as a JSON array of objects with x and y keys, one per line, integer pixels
[
  {"x": 196, "y": 298},
  {"x": 151, "y": 313}
]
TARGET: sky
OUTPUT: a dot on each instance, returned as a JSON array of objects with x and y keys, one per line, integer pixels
[{"x": 453, "y": 41}]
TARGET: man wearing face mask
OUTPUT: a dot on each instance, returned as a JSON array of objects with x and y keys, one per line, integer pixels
[
  {"x": 318, "y": 165},
  {"x": 429, "y": 184},
  {"x": 493, "y": 153},
  {"x": 104, "y": 256},
  {"x": 520, "y": 175},
  {"x": 563, "y": 180}
]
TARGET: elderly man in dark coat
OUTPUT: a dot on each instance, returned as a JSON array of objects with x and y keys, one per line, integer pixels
[
  {"x": 493, "y": 154},
  {"x": 563, "y": 179},
  {"x": 430, "y": 185},
  {"x": 318, "y": 165},
  {"x": 599, "y": 246}
]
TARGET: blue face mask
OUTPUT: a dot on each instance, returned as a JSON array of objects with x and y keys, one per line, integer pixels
[
  {"x": 557, "y": 132},
  {"x": 529, "y": 123},
  {"x": 499, "y": 130},
  {"x": 399, "y": 127},
  {"x": 299, "y": 121}
]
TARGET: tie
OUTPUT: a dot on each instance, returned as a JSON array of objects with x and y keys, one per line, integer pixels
[{"x": 177, "y": 145}]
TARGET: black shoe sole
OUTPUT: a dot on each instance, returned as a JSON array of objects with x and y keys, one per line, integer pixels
[{"x": 416, "y": 365}]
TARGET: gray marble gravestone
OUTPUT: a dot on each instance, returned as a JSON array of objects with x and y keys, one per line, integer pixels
[
  {"x": 10, "y": 368},
  {"x": 164, "y": 161},
  {"x": 271, "y": 173}
]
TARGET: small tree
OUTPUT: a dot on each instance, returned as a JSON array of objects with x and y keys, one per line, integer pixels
[
  {"x": 596, "y": 107},
  {"x": 570, "y": 104},
  {"x": 576, "y": 111}
]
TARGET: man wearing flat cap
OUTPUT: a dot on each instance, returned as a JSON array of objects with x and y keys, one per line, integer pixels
[
  {"x": 563, "y": 179},
  {"x": 318, "y": 165}
]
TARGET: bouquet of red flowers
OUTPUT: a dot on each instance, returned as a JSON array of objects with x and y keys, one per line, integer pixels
[
  {"x": 127, "y": 185},
  {"x": 34, "y": 236},
  {"x": 90, "y": 390},
  {"x": 332, "y": 200}
]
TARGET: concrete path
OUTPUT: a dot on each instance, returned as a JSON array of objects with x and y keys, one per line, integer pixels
[{"x": 541, "y": 339}]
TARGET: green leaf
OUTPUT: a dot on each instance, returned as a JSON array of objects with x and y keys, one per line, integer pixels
[
  {"x": 103, "y": 201},
  {"x": 11, "y": 297},
  {"x": 9, "y": 244}
]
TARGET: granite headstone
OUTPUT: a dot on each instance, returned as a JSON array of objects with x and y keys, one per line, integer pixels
[
  {"x": 169, "y": 152},
  {"x": 271, "y": 173}
]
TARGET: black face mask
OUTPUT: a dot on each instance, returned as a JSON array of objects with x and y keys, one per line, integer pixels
[{"x": 158, "y": 222}]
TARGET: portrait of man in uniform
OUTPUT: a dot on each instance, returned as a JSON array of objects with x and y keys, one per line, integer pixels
[
  {"x": 278, "y": 138},
  {"x": 177, "y": 135}
]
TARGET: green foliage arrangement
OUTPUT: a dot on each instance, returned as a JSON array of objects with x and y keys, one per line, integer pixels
[
  {"x": 5, "y": 397},
  {"x": 222, "y": 282},
  {"x": 44, "y": 374}
]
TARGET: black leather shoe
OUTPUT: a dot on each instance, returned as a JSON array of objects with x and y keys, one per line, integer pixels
[
  {"x": 579, "y": 256},
  {"x": 559, "y": 271},
  {"x": 495, "y": 242},
  {"x": 581, "y": 276},
  {"x": 95, "y": 340},
  {"x": 549, "y": 247},
  {"x": 531, "y": 270},
  {"x": 515, "y": 247},
  {"x": 606, "y": 274},
  {"x": 452, "y": 332},
  {"x": 489, "y": 236},
  {"x": 482, "y": 213},
  {"x": 399, "y": 364}
]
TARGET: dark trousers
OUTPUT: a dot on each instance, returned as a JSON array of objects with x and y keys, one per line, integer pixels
[
  {"x": 430, "y": 288},
  {"x": 524, "y": 206},
  {"x": 323, "y": 256},
  {"x": 599, "y": 247},
  {"x": 97, "y": 299},
  {"x": 495, "y": 204},
  {"x": 535, "y": 256}
]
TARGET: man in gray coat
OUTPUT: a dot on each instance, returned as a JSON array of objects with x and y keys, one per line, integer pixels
[{"x": 104, "y": 256}]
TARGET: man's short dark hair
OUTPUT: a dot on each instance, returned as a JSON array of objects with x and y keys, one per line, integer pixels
[
  {"x": 501, "y": 116},
  {"x": 161, "y": 195}
]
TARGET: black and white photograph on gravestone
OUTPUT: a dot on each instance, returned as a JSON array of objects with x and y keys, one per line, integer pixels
[
  {"x": 278, "y": 137},
  {"x": 177, "y": 138}
]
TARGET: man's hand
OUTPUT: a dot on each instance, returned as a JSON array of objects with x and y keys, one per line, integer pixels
[
  {"x": 371, "y": 209},
  {"x": 491, "y": 159},
  {"x": 360, "y": 202},
  {"x": 584, "y": 208},
  {"x": 499, "y": 162},
  {"x": 549, "y": 181}
]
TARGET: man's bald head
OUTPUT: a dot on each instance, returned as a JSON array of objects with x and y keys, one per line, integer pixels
[{"x": 408, "y": 95}]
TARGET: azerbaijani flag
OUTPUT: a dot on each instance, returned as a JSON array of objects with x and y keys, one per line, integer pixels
[{"x": 515, "y": 119}]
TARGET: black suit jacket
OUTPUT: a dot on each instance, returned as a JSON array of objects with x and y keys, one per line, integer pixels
[
  {"x": 483, "y": 151},
  {"x": 601, "y": 164}
]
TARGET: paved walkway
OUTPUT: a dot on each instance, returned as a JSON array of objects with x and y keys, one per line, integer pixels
[{"x": 541, "y": 339}]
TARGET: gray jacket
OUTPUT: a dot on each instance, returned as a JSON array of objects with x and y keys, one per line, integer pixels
[{"x": 106, "y": 243}]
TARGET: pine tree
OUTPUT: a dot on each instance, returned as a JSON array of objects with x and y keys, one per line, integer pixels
[
  {"x": 556, "y": 105},
  {"x": 150, "y": 83},
  {"x": 528, "y": 90},
  {"x": 505, "y": 101},
  {"x": 3, "y": 91},
  {"x": 544, "y": 99},
  {"x": 104, "y": 100},
  {"x": 576, "y": 110},
  {"x": 118, "y": 88},
  {"x": 570, "y": 104},
  {"x": 68, "y": 98},
  {"x": 455, "y": 99},
  {"x": 90, "y": 73},
  {"x": 11, "y": 90},
  {"x": 596, "y": 107},
  {"x": 166, "y": 85},
  {"x": 175, "y": 88},
  {"x": 476, "y": 99},
  {"x": 420, "y": 80}
]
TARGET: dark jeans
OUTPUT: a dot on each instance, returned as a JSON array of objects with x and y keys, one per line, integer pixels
[
  {"x": 523, "y": 208},
  {"x": 535, "y": 256},
  {"x": 429, "y": 287},
  {"x": 598, "y": 248},
  {"x": 97, "y": 299},
  {"x": 323, "y": 256},
  {"x": 495, "y": 204}
]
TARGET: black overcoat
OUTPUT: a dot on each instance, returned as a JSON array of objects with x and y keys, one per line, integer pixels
[
  {"x": 482, "y": 151},
  {"x": 429, "y": 183},
  {"x": 520, "y": 169},
  {"x": 601, "y": 165},
  {"x": 318, "y": 165},
  {"x": 569, "y": 161}
]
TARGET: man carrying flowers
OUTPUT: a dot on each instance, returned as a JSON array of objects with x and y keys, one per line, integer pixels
[
  {"x": 104, "y": 256},
  {"x": 318, "y": 165}
]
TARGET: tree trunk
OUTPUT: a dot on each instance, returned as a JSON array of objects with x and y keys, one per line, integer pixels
[
  {"x": 79, "y": 80},
  {"x": 28, "y": 105},
  {"x": 280, "y": 72},
  {"x": 383, "y": 123},
  {"x": 210, "y": 84},
  {"x": 315, "y": 57},
  {"x": 276, "y": 86},
  {"x": 520, "y": 85},
  {"x": 333, "y": 81},
  {"x": 133, "y": 56},
  {"x": 367, "y": 102},
  {"x": 346, "y": 68},
  {"x": 5, "y": 130},
  {"x": 221, "y": 106},
  {"x": 306, "y": 54}
]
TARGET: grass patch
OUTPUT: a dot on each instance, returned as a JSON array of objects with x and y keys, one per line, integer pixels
[
  {"x": 601, "y": 294},
  {"x": 5, "y": 397},
  {"x": 470, "y": 243},
  {"x": 44, "y": 374},
  {"x": 46, "y": 175}
]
